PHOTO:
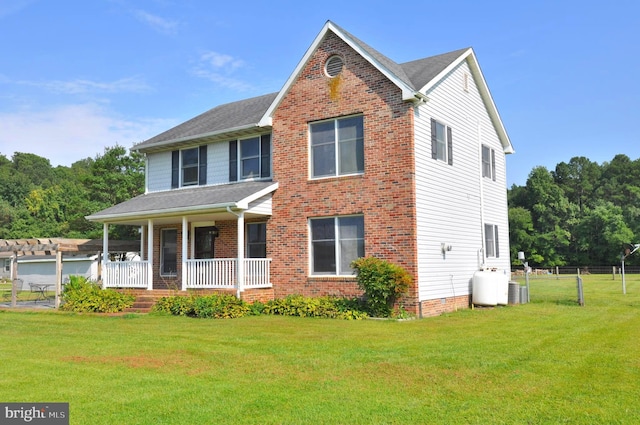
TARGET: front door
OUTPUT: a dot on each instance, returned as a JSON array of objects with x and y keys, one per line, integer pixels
[{"x": 205, "y": 238}]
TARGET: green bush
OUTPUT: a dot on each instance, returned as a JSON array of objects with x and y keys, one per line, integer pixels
[
  {"x": 220, "y": 307},
  {"x": 328, "y": 307},
  {"x": 382, "y": 282},
  {"x": 82, "y": 295},
  {"x": 177, "y": 305},
  {"x": 217, "y": 306}
]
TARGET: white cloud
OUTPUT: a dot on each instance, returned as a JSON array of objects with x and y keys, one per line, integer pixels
[
  {"x": 156, "y": 22},
  {"x": 221, "y": 61},
  {"x": 69, "y": 133},
  {"x": 219, "y": 68},
  {"x": 80, "y": 86}
]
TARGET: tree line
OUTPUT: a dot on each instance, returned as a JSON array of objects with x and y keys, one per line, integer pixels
[
  {"x": 41, "y": 201},
  {"x": 580, "y": 214}
]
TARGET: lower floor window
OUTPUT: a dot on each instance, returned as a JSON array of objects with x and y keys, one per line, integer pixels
[
  {"x": 491, "y": 240},
  {"x": 335, "y": 243},
  {"x": 169, "y": 252},
  {"x": 257, "y": 240}
]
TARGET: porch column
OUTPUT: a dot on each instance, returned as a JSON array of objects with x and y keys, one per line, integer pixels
[
  {"x": 105, "y": 253},
  {"x": 240, "y": 270},
  {"x": 142, "y": 234},
  {"x": 150, "y": 254},
  {"x": 185, "y": 237}
]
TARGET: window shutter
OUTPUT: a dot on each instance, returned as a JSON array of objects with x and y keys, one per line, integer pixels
[
  {"x": 493, "y": 164},
  {"x": 434, "y": 143},
  {"x": 233, "y": 161},
  {"x": 175, "y": 169},
  {"x": 497, "y": 244},
  {"x": 202, "y": 172},
  {"x": 265, "y": 155},
  {"x": 449, "y": 146}
]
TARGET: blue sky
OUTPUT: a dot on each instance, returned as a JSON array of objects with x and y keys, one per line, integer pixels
[{"x": 79, "y": 76}]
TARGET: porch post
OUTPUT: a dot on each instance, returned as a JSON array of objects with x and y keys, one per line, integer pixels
[
  {"x": 150, "y": 254},
  {"x": 185, "y": 237},
  {"x": 105, "y": 253},
  {"x": 240, "y": 270},
  {"x": 142, "y": 234}
]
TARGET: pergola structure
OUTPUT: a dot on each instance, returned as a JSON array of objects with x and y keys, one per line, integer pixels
[{"x": 24, "y": 247}]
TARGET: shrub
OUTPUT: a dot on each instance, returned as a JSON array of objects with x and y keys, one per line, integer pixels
[
  {"x": 177, "y": 305},
  {"x": 328, "y": 307},
  {"x": 217, "y": 306},
  {"x": 220, "y": 307},
  {"x": 382, "y": 282},
  {"x": 82, "y": 295}
]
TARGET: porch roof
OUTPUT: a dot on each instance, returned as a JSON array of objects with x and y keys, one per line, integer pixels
[{"x": 185, "y": 201}]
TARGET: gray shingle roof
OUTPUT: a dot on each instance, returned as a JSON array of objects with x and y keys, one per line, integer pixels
[
  {"x": 421, "y": 71},
  {"x": 222, "y": 118},
  {"x": 183, "y": 200}
]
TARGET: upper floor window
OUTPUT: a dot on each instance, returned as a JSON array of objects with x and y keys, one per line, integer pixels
[
  {"x": 492, "y": 248},
  {"x": 335, "y": 243},
  {"x": 337, "y": 147},
  {"x": 441, "y": 142},
  {"x": 488, "y": 163},
  {"x": 189, "y": 167},
  {"x": 250, "y": 158}
]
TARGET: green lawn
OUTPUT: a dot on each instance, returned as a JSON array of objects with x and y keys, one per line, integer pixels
[{"x": 546, "y": 362}]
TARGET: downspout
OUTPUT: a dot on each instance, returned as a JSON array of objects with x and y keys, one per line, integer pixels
[
  {"x": 240, "y": 269},
  {"x": 183, "y": 266}
]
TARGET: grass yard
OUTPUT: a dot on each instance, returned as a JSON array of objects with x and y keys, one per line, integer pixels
[{"x": 547, "y": 362}]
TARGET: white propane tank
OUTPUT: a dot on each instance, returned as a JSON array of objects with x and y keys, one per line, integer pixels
[
  {"x": 503, "y": 287},
  {"x": 485, "y": 288}
]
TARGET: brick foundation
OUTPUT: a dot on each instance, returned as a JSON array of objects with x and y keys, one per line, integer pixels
[{"x": 439, "y": 306}]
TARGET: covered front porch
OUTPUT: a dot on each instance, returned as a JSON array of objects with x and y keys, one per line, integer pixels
[{"x": 218, "y": 246}]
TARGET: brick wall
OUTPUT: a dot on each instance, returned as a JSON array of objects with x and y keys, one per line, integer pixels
[
  {"x": 384, "y": 194},
  {"x": 438, "y": 306}
]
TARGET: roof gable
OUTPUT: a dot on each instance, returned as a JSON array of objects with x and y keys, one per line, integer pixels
[{"x": 413, "y": 78}]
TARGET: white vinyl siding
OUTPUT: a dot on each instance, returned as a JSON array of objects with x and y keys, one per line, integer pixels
[
  {"x": 159, "y": 167},
  {"x": 449, "y": 198}
]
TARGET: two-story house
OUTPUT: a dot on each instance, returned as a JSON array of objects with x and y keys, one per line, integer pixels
[{"x": 356, "y": 155}]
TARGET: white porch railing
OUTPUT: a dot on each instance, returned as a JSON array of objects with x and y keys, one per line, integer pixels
[
  {"x": 125, "y": 274},
  {"x": 211, "y": 273},
  {"x": 215, "y": 273},
  {"x": 257, "y": 273},
  {"x": 221, "y": 273}
]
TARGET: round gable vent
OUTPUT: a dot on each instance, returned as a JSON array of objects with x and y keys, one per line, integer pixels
[{"x": 334, "y": 65}]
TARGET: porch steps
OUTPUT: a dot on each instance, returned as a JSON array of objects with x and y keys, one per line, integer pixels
[{"x": 144, "y": 301}]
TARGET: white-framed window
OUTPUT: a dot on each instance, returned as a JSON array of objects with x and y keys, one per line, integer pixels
[
  {"x": 7, "y": 265},
  {"x": 168, "y": 252},
  {"x": 256, "y": 235},
  {"x": 488, "y": 162},
  {"x": 335, "y": 243},
  {"x": 337, "y": 147},
  {"x": 250, "y": 158},
  {"x": 491, "y": 245},
  {"x": 189, "y": 167},
  {"x": 441, "y": 142}
]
